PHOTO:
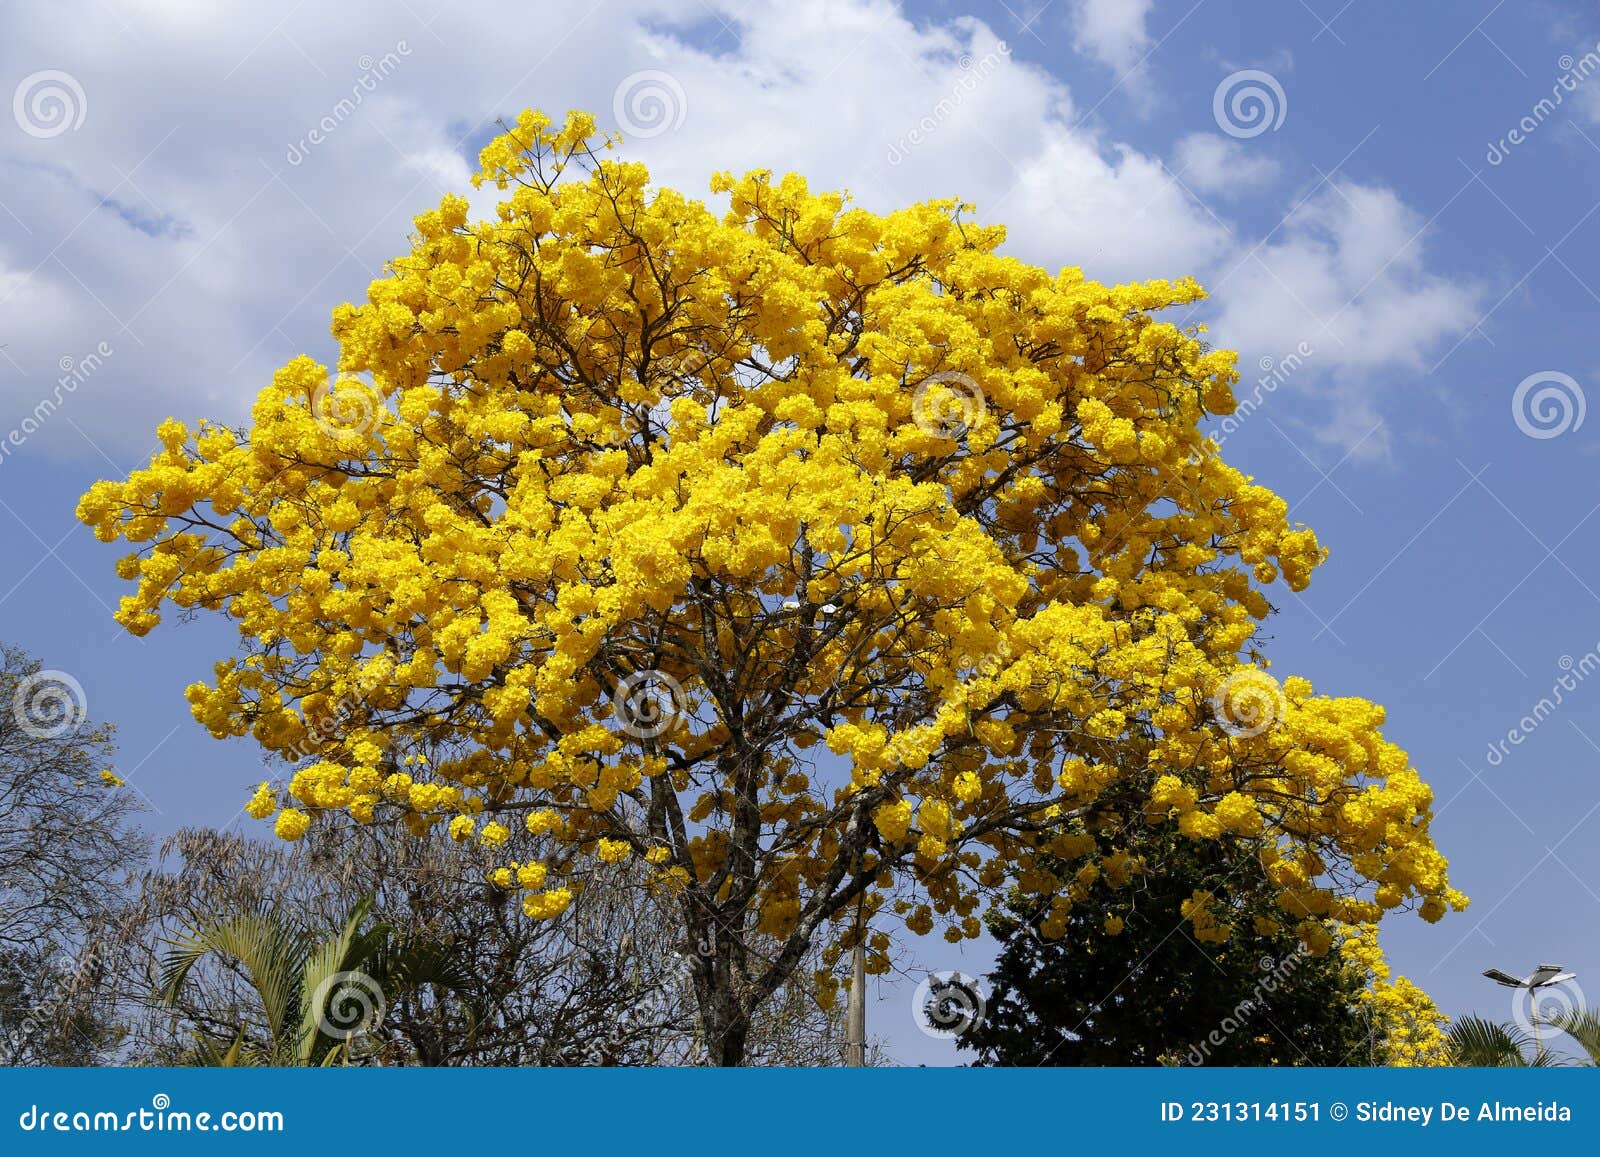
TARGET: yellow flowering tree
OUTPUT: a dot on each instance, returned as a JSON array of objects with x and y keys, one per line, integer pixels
[{"x": 618, "y": 515}]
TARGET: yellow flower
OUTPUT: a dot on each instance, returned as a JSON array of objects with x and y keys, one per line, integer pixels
[
  {"x": 542, "y": 821},
  {"x": 263, "y": 803},
  {"x": 893, "y": 820},
  {"x": 598, "y": 463},
  {"x": 546, "y": 905},
  {"x": 292, "y": 824}
]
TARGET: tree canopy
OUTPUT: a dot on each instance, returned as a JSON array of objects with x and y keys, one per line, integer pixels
[
  {"x": 825, "y": 560},
  {"x": 69, "y": 848},
  {"x": 1127, "y": 984}
]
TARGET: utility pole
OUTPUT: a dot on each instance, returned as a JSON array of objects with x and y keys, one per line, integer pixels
[
  {"x": 855, "y": 1028},
  {"x": 855, "y": 1021}
]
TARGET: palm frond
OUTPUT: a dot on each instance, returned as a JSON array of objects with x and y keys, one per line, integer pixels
[
  {"x": 271, "y": 954},
  {"x": 328, "y": 970},
  {"x": 1582, "y": 1026},
  {"x": 1481, "y": 1043}
]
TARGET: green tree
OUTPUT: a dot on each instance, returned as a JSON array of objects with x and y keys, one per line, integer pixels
[{"x": 1137, "y": 987}]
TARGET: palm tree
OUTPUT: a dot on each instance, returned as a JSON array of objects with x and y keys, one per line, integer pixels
[
  {"x": 1582, "y": 1026},
  {"x": 1481, "y": 1043},
  {"x": 315, "y": 998}
]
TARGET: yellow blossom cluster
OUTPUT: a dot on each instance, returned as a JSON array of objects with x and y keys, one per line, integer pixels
[
  {"x": 1409, "y": 1028},
  {"x": 922, "y": 551}
]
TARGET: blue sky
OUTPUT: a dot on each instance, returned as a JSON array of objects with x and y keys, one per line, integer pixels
[{"x": 169, "y": 233}]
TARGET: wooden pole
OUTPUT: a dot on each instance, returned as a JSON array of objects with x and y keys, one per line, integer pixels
[{"x": 855, "y": 1041}]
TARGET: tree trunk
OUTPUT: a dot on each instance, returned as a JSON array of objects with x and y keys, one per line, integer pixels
[{"x": 726, "y": 1027}]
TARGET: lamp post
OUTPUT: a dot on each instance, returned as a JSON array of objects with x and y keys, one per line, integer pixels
[{"x": 1543, "y": 977}]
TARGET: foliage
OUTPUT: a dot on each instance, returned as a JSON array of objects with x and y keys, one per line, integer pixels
[
  {"x": 1482, "y": 1043},
  {"x": 316, "y": 999},
  {"x": 1127, "y": 983},
  {"x": 68, "y": 847},
  {"x": 617, "y": 513},
  {"x": 603, "y": 986}
]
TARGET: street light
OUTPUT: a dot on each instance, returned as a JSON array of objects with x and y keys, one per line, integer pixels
[{"x": 1543, "y": 977}]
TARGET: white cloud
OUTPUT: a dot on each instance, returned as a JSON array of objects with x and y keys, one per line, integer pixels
[
  {"x": 195, "y": 130},
  {"x": 1112, "y": 32},
  {"x": 1346, "y": 275},
  {"x": 1213, "y": 165}
]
